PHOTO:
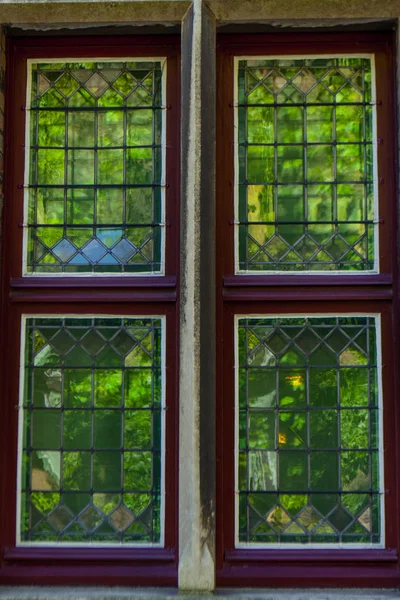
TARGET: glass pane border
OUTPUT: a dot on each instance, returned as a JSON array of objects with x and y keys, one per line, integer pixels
[
  {"x": 25, "y": 236},
  {"x": 24, "y": 318},
  {"x": 273, "y": 273},
  {"x": 288, "y": 546}
]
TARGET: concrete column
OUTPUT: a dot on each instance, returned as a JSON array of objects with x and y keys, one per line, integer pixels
[{"x": 197, "y": 304}]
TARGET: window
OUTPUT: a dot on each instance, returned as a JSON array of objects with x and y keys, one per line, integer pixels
[
  {"x": 92, "y": 288},
  {"x": 305, "y": 188}
]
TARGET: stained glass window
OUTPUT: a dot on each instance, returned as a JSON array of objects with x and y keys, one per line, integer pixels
[
  {"x": 305, "y": 161},
  {"x": 95, "y": 194},
  {"x": 308, "y": 431},
  {"x": 92, "y": 422}
]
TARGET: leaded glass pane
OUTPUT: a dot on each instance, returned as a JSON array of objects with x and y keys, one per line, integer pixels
[
  {"x": 94, "y": 199},
  {"x": 305, "y": 184},
  {"x": 308, "y": 431},
  {"x": 92, "y": 431}
]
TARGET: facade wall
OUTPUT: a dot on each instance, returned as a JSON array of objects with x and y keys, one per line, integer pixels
[{"x": 200, "y": 21}]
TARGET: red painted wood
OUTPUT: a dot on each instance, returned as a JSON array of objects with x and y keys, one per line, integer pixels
[
  {"x": 84, "y": 295},
  {"x": 307, "y": 294}
]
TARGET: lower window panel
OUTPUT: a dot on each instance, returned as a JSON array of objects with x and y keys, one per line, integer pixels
[
  {"x": 308, "y": 431},
  {"x": 91, "y": 450}
]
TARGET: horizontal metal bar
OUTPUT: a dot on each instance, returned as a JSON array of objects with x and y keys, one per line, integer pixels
[
  {"x": 90, "y": 186},
  {"x": 303, "y": 104},
  {"x": 66, "y": 109},
  {"x": 305, "y": 182},
  {"x": 98, "y": 148},
  {"x": 305, "y": 143},
  {"x": 90, "y": 226},
  {"x": 333, "y": 222},
  {"x": 304, "y": 491}
]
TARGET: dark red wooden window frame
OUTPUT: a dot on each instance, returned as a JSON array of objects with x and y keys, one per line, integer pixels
[
  {"x": 135, "y": 295},
  {"x": 306, "y": 294}
]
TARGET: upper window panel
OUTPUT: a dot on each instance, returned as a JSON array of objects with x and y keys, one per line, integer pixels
[
  {"x": 305, "y": 165},
  {"x": 94, "y": 199}
]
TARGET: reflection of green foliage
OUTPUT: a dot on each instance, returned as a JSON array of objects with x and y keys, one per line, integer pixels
[
  {"x": 339, "y": 426},
  {"x": 136, "y": 429}
]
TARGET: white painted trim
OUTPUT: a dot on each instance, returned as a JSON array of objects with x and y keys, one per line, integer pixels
[
  {"x": 308, "y": 546},
  {"x": 144, "y": 59},
  {"x": 90, "y": 544},
  {"x": 325, "y": 273}
]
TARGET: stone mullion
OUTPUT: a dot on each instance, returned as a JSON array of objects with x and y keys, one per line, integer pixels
[{"x": 197, "y": 304}]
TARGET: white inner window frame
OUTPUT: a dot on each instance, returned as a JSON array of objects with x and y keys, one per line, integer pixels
[
  {"x": 30, "y": 62},
  {"x": 275, "y": 273},
  {"x": 19, "y": 542},
  {"x": 310, "y": 546}
]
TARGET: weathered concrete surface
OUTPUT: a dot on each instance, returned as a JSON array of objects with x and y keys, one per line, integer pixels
[
  {"x": 56, "y": 593},
  {"x": 197, "y": 307},
  {"x": 257, "y": 10},
  {"x": 82, "y": 11}
]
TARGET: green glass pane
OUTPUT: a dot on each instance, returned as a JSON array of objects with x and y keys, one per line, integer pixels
[
  {"x": 46, "y": 432},
  {"x": 81, "y": 129},
  {"x": 292, "y": 429},
  {"x": 107, "y": 429},
  {"x": 350, "y": 163},
  {"x": 50, "y": 167},
  {"x": 110, "y": 128},
  {"x": 292, "y": 388},
  {"x": 107, "y": 471},
  {"x": 138, "y": 388},
  {"x": 262, "y": 471},
  {"x": 138, "y": 429},
  {"x": 324, "y": 429},
  {"x": 51, "y": 128},
  {"x": 260, "y": 164},
  {"x": 349, "y": 124},
  {"x": 355, "y": 471},
  {"x": 354, "y": 428},
  {"x": 76, "y": 471},
  {"x": 140, "y": 128},
  {"x": 80, "y": 167},
  {"x": 290, "y": 164},
  {"x": 80, "y": 209},
  {"x": 351, "y": 205},
  {"x": 291, "y": 206},
  {"x": 137, "y": 471},
  {"x": 108, "y": 388},
  {"x": 139, "y": 166},
  {"x": 290, "y": 123},
  {"x": 110, "y": 167},
  {"x": 77, "y": 388},
  {"x": 320, "y": 163},
  {"x": 319, "y": 124},
  {"x": 77, "y": 430},
  {"x": 261, "y": 387},
  {"x": 139, "y": 205},
  {"x": 293, "y": 471},
  {"x": 324, "y": 469},
  {"x": 260, "y": 125},
  {"x": 261, "y": 429},
  {"x": 110, "y": 206}
]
